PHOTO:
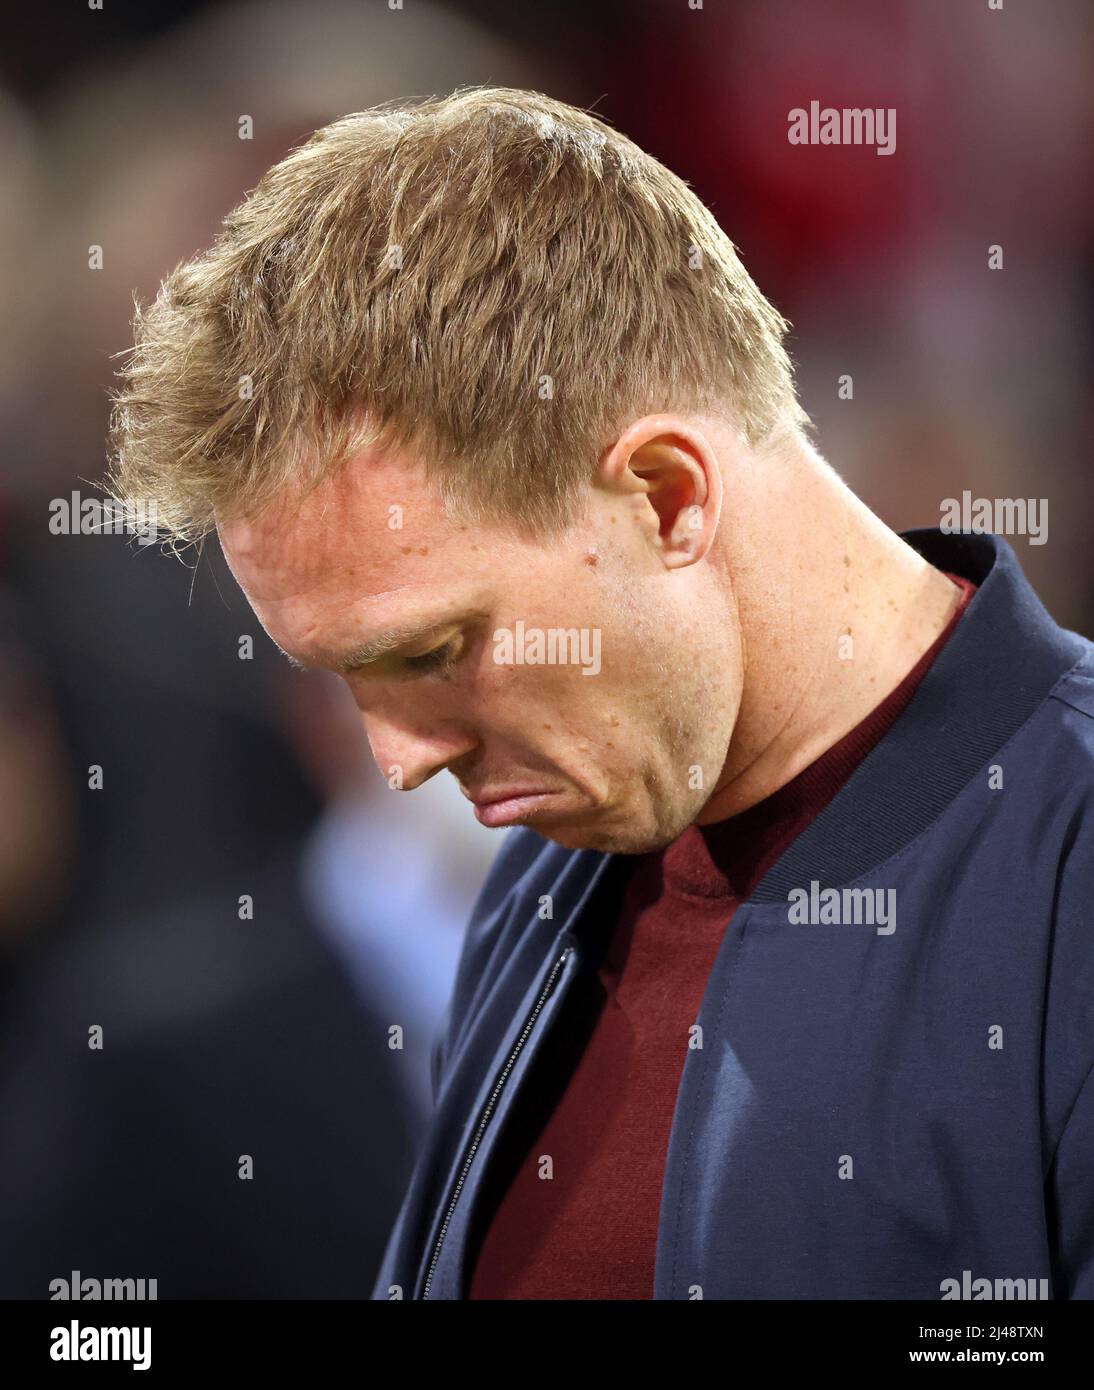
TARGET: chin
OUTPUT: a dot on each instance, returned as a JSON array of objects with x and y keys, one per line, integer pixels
[{"x": 604, "y": 839}]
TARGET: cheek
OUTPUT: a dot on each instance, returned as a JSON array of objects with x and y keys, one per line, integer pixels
[
  {"x": 543, "y": 704},
  {"x": 519, "y": 695}
]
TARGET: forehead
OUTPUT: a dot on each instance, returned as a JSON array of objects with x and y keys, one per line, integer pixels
[
  {"x": 369, "y": 552},
  {"x": 374, "y": 525}
]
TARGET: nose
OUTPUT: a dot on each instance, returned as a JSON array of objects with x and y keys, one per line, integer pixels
[{"x": 409, "y": 750}]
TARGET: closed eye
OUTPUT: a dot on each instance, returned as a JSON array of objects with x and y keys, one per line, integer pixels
[{"x": 439, "y": 659}]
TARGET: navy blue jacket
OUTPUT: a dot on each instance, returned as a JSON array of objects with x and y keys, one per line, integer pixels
[{"x": 871, "y": 1113}]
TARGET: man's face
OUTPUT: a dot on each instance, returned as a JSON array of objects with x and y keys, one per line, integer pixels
[{"x": 620, "y": 759}]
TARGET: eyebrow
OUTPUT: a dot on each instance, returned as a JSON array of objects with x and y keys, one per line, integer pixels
[{"x": 365, "y": 653}]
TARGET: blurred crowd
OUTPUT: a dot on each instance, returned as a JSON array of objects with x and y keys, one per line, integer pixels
[{"x": 213, "y": 911}]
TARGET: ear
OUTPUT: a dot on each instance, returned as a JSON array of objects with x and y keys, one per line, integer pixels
[{"x": 676, "y": 470}]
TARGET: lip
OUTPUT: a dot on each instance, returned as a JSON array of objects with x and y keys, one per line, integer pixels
[{"x": 504, "y": 808}]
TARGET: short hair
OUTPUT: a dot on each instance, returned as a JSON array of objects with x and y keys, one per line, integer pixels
[{"x": 493, "y": 279}]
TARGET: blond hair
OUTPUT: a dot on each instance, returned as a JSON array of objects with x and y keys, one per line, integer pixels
[{"x": 493, "y": 279}]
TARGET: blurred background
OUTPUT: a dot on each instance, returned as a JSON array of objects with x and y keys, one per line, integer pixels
[{"x": 194, "y": 854}]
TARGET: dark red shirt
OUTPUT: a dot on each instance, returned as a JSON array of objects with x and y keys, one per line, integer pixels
[{"x": 598, "y": 1122}]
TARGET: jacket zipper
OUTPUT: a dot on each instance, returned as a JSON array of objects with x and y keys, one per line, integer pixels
[{"x": 489, "y": 1108}]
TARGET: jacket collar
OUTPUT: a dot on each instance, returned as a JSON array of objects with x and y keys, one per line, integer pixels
[{"x": 1003, "y": 659}]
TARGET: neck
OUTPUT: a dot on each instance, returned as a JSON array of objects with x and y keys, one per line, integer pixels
[{"x": 827, "y": 632}]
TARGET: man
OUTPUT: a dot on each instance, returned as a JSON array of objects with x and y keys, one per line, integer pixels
[{"x": 780, "y": 987}]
